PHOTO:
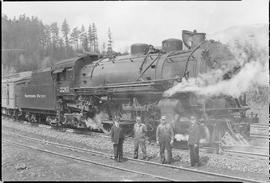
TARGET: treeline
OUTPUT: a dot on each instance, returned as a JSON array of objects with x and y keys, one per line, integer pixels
[{"x": 29, "y": 44}]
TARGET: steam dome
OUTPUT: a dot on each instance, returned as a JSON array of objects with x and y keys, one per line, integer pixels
[
  {"x": 172, "y": 45},
  {"x": 138, "y": 49}
]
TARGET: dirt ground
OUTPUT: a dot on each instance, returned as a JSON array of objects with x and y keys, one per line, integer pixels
[{"x": 21, "y": 164}]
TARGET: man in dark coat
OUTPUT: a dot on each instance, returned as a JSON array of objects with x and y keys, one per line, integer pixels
[
  {"x": 193, "y": 141},
  {"x": 117, "y": 136},
  {"x": 165, "y": 137},
  {"x": 139, "y": 138}
]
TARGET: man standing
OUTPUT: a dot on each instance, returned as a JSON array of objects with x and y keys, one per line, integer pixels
[
  {"x": 139, "y": 137},
  {"x": 193, "y": 141},
  {"x": 117, "y": 136},
  {"x": 165, "y": 137}
]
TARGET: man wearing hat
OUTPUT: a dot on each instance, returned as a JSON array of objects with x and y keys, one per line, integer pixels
[
  {"x": 193, "y": 141},
  {"x": 165, "y": 137},
  {"x": 117, "y": 136}
]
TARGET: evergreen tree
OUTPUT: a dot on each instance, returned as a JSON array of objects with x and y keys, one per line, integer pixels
[
  {"x": 90, "y": 38},
  {"x": 28, "y": 44},
  {"x": 104, "y": 49},
  {"x": 55, "y": 35},
  {"x": 75, "y": 37},
  {"x": 83, "y": 39},
  {"x": 109, "y": 48},
  {"x": 95, "y": 38},
  {"x": 65, "y": 31}
]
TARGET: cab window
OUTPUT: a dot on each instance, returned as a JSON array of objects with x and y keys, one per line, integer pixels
[
  {"x": 61, "y": 76},
  {"x": 69, "y": 74}
]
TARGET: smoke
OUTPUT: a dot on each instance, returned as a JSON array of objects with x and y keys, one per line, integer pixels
[
  {"x": 91, "y": 123},
  {"x": 96, "y": 122},
  {"x": 251, "y": 76},
  {"x": 249, "y": 47}
]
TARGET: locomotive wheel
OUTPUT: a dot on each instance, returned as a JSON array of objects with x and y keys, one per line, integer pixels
[
  {"x": 81, "y": 125},
  {"x": 16, "y": 116}
]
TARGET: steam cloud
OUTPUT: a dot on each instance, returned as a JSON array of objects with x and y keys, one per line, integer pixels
[
  {"x": 251, "y": 76},
  {"x": 251, "y": 52},
  {"x": 96, "y": 122}
]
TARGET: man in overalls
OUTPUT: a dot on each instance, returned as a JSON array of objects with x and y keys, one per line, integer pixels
[{"x": 139, "y": 137}]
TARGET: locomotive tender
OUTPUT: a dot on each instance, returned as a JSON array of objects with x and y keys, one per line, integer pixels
[{"x": 88, "y": 91}]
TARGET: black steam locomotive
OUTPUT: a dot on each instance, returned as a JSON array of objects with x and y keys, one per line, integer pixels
[{"x": 89, "y": 91}]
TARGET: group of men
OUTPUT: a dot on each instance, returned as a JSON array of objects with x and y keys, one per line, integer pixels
[{"x": 164, "y": 138}]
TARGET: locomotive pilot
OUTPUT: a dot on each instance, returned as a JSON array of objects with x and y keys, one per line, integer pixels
[
  {"x": 139, "y": 137},
  {"x": 193, "y": 141},
  {"x": 165, "y": 137},
  {"x": 117, "y": 137}
]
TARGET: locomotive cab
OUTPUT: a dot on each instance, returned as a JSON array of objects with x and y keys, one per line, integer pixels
[
  {"x": 66, "y": 74},
  {"x": 63, "y": 76}
]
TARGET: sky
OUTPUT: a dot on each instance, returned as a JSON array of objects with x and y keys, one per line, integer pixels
[{"x": 144, "y": 21}]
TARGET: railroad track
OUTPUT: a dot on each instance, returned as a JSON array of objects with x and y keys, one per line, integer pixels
[
  {"x": 88, "y": 161},
  {"x": 238, "y": 153},
  {"x": 241, "y": 153},
  {"x": 144, "y": 165},
  {"x": 252, "y": 155}
]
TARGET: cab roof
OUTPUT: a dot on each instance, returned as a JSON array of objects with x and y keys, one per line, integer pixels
[{"x": 65, "y": 63}]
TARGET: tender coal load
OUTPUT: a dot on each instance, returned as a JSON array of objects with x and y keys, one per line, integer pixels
[{"x": 139, "y": 49}]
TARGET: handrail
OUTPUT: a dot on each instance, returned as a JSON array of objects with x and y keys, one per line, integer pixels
[
  {"x": 127, "y": 83},
  {"x": 194, "y": 49},
  {"x": 148, "y": 66}
]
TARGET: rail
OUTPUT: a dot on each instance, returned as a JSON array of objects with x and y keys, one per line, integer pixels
[{"x": 89, "y": 161}]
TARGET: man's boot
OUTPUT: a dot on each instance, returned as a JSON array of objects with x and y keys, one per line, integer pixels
[
  {"x": 163, "y": 161},
  {"x": 135, "y": 155},
  {"x": 120, "y": 159}
]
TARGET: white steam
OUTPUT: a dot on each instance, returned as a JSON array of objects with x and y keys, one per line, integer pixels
[
  {"x": 251, "y": 76},
  {"x": 251, "y": 52},
  {"x": 96, "y": 122}
]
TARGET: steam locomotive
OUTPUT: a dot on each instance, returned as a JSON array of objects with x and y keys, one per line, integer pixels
[{"x": 89, "y": 91}]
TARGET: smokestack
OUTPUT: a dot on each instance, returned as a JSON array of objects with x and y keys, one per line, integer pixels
[
  {"x": 197, "y": 38},
  {"x": 192, "y": 39}
]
